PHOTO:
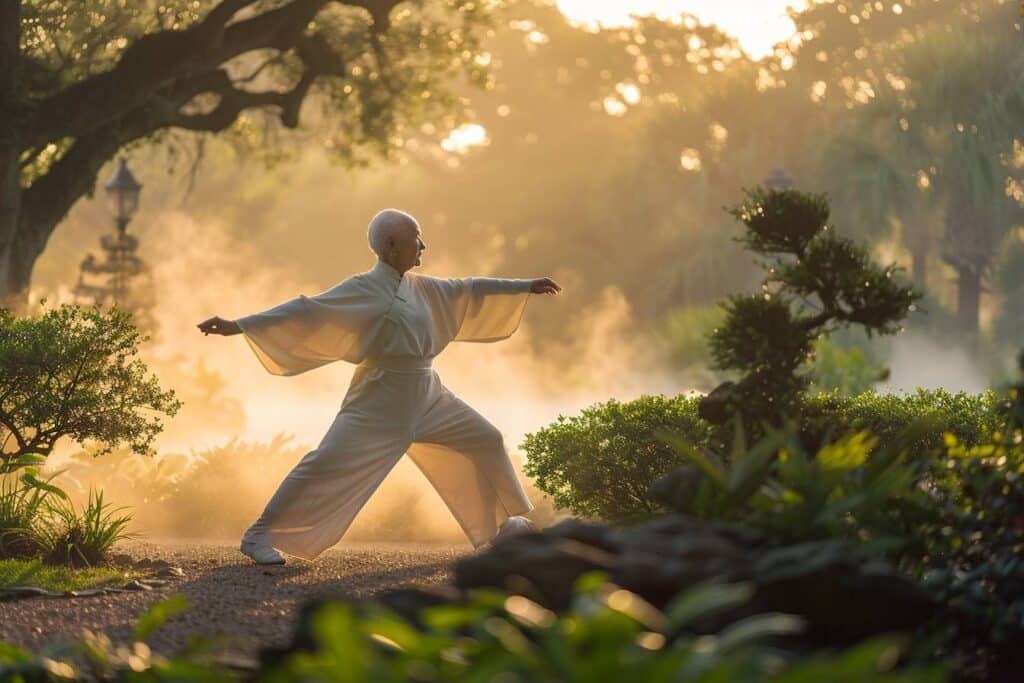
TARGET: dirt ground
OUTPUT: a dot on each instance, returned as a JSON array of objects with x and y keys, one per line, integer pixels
[{"x": 254, "y": 606}]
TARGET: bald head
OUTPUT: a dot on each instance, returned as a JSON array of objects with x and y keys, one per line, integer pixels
[
  {"x": 395, "y": 237},
  {"x": 388, "y": 225}
]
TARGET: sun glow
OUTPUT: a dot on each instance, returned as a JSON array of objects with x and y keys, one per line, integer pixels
[
  {"x": 465, "y": 136},
  {"x": 757, "y": 24}
]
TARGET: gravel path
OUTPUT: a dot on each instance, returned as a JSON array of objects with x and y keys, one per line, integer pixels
[{"x": 253, "y": 605}]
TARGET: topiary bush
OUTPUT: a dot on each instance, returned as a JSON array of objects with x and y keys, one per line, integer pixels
[
  {"x": 816, "y": 283},
  {"x": 602, "y": 462}
]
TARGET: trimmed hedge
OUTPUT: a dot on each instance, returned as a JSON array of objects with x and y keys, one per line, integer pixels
[{"x": 602, "y": 462}]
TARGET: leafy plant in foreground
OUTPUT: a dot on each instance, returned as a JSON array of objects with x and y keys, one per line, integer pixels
[
  {"x": 607, "y": 634},
  {"x": 850, "y": 488}
]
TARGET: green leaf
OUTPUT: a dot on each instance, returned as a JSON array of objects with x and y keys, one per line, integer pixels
[
  {"x": 706, "y": 598},
  {"x": 159, "y": 613},
  {"x": 752, "y": 629},
  {"x": 707, "y": 465}
]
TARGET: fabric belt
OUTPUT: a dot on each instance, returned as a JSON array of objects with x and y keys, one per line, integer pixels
[{"x": 412, "y": 365}]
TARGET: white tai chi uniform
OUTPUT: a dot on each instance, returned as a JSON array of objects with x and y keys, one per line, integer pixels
[{"x": 392, "y": 326}]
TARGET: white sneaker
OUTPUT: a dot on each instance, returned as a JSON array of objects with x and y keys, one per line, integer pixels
[
  {"x": 261, "y": 552},
  {"x": 514, "y": 526}
]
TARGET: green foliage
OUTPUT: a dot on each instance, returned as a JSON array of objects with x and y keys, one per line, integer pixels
[
  {"x": 952, "y": 516},
  {"x": 850, "y": 488},
  {"x": 938, "y": 131},
  {"x": 39, "y": 520},
  {"x": 607, "y": 634},
  {"x": 602, "y": 462},
  {"x": 75, "y": 373},
  {"x": 817, "y": 282},
  {"x": 780, "y": 221},
  {"x": 159, "y": 613},
  {"x": 81, "y": 539},
  {"x": 21, "y": 507}
]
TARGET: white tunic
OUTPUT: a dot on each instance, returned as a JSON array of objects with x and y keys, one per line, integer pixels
[{"x": 392, "y": 326}]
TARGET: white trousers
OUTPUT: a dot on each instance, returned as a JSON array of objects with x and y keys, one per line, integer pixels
[{"x": 392, "y": 409}]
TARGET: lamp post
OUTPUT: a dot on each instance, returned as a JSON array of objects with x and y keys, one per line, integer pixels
[
  {"x": 119, "y": 265},
  {"x": 123, "y": 195}
]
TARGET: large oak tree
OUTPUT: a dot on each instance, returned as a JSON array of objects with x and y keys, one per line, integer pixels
[{"x": 80, "y": 81}]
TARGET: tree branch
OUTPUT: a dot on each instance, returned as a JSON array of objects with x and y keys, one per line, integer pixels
[{"x": 154, "y": 61}]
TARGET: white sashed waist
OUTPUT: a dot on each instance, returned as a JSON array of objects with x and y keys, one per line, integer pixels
[{"x": 400, "y": 364}]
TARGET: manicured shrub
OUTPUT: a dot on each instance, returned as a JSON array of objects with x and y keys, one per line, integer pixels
[
  {"x": 816, "y": 282},
  {"x": 602, "y": 462}
]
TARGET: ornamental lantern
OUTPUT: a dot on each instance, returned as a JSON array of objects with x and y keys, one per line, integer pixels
[
  {"x": 112, "y": 278},
  {"x": 123, "y": 195}
]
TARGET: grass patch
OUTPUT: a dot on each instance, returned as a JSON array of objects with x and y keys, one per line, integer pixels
[{"x": 35, "y": 573}]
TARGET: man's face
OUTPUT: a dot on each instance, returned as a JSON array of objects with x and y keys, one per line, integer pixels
[{"x": 408, "y": 247}]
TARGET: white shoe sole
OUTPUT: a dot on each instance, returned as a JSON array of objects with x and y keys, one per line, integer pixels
[{"x": 262, "y": 554}]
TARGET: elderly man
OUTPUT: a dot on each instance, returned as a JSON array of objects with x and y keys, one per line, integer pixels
[{"x": 392, "y": 323}]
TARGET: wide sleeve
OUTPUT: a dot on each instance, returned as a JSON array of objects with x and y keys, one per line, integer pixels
[
  {"x": 307, "y": 332},
  {"x": 475, "y": 309}
]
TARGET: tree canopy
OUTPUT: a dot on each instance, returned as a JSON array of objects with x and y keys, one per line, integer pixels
[{"x": 79, "y": 81}]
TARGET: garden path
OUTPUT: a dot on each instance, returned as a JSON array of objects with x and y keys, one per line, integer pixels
[{"x": 254, "y": 606}]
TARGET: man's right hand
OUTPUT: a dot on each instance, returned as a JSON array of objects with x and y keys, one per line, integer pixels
[{"x": 218, "y": 325}]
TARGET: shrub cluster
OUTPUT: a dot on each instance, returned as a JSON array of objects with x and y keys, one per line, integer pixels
[
  {"x": 602, "y": 462},
  {"x": 930, "y": 481}
]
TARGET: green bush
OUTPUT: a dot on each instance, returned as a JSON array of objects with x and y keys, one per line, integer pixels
[
  {"x": 75, "y": 373},
  {"x": 602, "y": 462}
]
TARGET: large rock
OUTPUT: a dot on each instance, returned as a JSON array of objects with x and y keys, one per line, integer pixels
[
  {"x": 543, "y": 567},
  {"x": 841, "y": 595}
]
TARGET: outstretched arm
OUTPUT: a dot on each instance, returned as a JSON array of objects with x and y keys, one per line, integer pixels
[
  {"x": 494, "y": 285},
  {"x": 218, "y": 325}
]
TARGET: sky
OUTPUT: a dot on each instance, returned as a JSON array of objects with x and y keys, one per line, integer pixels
[{"x": 758, "y": 24}]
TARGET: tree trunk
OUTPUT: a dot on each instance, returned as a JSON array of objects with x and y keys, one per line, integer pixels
[
  {"x": 968, "y": 300},
  {"x": 11, "y": 127},
  {"x": 968, "y": 248},
  {"x": 919, "y": 249}
]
